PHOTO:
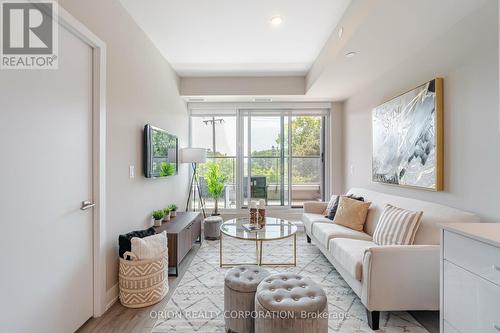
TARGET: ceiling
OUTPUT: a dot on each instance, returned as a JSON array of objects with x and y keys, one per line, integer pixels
[
  {"x": 388, "y": 33},
  {"x": 236, "y": 37},
  {"x": 228, "y": 49}
]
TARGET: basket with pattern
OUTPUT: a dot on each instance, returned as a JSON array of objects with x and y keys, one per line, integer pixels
[{"x": 143, "y": 282}]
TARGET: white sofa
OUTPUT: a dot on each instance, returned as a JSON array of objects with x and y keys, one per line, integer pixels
[{"x": 386, "y": 278}]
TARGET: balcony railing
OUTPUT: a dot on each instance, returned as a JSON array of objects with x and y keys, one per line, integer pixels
[{"x": 305, "y": 180}]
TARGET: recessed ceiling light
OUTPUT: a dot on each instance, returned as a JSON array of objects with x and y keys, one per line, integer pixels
[
  {"x": 341, "y": 32},
  {"x": 351, "y": 54},
  {"x": 276, "y": 21}
]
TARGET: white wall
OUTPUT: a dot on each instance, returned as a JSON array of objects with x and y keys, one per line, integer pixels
[
  {"x": 467, "y": 59},
  {"x": 141, "y": 88},
  {"x": 230, "y": 86},
  {"x": 336, "y": 149}
]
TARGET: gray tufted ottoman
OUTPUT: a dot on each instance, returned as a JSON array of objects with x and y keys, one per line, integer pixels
[
  {"x": 240, "y": 285},
  {"x": 211, "y": 227},
  {"x": 288, "y": 303}
]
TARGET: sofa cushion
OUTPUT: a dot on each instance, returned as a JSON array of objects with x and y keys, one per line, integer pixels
[
  {"x": 326, "y": 231},
  {"x": 349, "y": 253},
  {"x": 309, "y": 219}
]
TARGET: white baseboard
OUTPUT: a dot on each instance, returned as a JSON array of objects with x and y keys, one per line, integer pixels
[{"x": 111, "y": 296}]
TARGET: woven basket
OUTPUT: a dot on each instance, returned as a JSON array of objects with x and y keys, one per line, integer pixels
[{"x": 143, "y": 282}]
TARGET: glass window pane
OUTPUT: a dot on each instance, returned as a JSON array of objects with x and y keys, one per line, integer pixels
[
  {"x": 201, "y": 134},
  {"x": 306, "y": 136},
  {"x": 265, "y": 136},
  {"x": 306, "y": 159},
  {"x": 224, "y": 145},
  {"x": 225, "y": 136}
]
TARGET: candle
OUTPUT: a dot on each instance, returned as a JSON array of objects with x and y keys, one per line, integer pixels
[
  {"x": 253, "y": 212},
  {"x": 262, "y": 213}
]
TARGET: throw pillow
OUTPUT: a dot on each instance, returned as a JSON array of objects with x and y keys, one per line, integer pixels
[
  {"x": 124, "y": 240},
  {"x": 396, "y": 226},
  {"x": 351, "y": 213},
  {"x": 330, "y": 214},
  {"x": 332, "y": 201},
  {"x": 149, "y": 247},
  {"x": 333, "y": 209}
]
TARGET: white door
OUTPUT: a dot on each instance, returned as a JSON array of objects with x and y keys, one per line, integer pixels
[{"x": 46, "y": 172}]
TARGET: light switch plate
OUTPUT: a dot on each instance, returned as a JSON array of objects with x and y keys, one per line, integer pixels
[{"x": 131, "y": 172}]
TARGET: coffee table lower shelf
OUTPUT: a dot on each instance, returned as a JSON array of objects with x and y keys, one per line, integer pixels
[{"x": 258, "y": 253}]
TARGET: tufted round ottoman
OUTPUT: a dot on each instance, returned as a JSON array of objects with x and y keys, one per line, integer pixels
[
  {"x": 240, "y": 285},
  {"x": 290, "y": 303},
  {"x": 211, "y": 227}
]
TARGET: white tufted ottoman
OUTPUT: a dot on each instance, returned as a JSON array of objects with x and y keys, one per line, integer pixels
[
  {"x": 240, "y": 285},
  {"x": 211, "y": 227},
  {"x": 287, "y": 303}
]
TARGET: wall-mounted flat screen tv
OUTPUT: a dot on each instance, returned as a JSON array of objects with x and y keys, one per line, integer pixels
[{"x": 160, "y": 153}]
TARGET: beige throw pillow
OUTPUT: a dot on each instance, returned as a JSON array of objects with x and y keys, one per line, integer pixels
[
  {"x": 351, "y": 213},
  {"x": 149, "y": 247}
]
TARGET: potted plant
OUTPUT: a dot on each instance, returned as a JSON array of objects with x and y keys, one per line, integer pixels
[
  {"x": 166, "y": 214},
  {"x": 215, "y": 184},
  {"x": 158, "y": 216},
  {"x": 173, "y": 210},
  {"x": 167, "y": 169}
]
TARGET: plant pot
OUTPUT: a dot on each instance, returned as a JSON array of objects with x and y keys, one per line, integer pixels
[
  {"x": 157, "y": 223},
  {"x": 173, "y": 213},
  {"x": 166, "y": 218}
]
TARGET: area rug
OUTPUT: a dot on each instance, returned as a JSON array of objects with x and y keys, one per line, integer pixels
[{"x": 197, "y": 305}]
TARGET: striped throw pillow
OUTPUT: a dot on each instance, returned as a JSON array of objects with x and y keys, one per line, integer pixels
[{"x": 396, "y": 226}]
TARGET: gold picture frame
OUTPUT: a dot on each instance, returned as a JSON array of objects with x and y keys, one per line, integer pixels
[{"x": 408, "y": 140}]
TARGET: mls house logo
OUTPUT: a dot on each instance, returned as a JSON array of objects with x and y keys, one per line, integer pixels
[{"x": 29, "y": 35}]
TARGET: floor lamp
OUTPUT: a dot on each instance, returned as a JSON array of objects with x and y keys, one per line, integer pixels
[{"x": 194, "y": 156}]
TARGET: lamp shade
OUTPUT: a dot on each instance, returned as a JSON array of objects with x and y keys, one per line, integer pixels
[{"x": 193, "y": 155}]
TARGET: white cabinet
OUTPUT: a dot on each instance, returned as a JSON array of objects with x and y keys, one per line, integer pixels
[{"x": 470, "y": 282}]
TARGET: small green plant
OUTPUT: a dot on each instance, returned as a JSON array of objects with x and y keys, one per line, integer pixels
[
  {"x": 166, "y": 211},
  {"x": 167, "y": 169},
  {"x": 173, "y": 207},
  {"x": 158, "y": 214},
  {"x": 215, "y": 183}
]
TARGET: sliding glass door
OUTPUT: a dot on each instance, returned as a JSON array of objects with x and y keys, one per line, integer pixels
[
  {"x": 283, "y": 159},
  {"x": 265, "y": 158},
  {"x": 271, "y": 155}
]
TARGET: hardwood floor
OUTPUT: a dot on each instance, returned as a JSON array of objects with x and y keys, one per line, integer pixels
[{"x": 119, "y": 319}]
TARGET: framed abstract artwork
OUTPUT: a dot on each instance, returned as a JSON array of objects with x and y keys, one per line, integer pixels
[{"x": 408, "y": 138}]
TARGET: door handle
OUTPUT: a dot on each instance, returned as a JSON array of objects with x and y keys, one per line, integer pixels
[
  {"x": 87, "y": 205},
  {"x": 496, "y": 268}
]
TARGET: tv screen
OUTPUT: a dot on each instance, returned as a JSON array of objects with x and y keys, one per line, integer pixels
[{"x": 160, "y": 153}]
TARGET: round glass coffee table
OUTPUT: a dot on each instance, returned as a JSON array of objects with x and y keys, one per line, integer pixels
[{"x": 275, "y": 229}]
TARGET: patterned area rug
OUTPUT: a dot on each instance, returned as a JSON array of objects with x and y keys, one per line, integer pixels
[{"x": 197, "y": 304}]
